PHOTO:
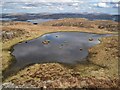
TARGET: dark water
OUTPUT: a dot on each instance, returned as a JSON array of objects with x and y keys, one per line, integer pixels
[{"x": 63, "y": 47}]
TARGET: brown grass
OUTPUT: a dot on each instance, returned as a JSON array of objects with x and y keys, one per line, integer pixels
[{"x": 58, "y": 75}]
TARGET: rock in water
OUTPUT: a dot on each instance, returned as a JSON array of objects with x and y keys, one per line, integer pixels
[
  {"x": 90, "y": 39},
  {"x": 46, "y": 42}
]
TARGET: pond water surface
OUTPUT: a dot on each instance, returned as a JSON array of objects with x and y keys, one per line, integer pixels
[{"x": 61, "y": 47}]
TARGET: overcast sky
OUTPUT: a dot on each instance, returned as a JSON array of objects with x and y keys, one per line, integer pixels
[
  {"x": 59, "y": 6},
  {"x": 60, "y": 0}
]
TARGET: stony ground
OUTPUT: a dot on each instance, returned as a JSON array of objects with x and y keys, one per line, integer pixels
[{"x": 101, "y": 71}]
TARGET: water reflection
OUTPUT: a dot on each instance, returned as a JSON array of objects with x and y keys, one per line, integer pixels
[{"x": 63, "y": 47}]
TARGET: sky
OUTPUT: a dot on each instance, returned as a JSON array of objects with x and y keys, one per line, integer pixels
[
  {"x": 59, "y": 6},
  {"x": 61, "y": 0}
]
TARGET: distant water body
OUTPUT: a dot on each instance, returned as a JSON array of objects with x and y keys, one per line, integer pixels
[
  {"x": 41, "y": 17},
  {"x": 37, "y": 11}
]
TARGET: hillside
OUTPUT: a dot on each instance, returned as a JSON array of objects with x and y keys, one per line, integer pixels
[{"x": 101, "y": 71}]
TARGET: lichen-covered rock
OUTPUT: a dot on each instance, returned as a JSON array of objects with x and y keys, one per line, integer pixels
[{"x": 10, "y": 34}]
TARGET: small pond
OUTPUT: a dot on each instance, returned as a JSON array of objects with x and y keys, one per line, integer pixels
[
  {"x": 61, "y": 47},
  {"x": 39, "y": 20}
]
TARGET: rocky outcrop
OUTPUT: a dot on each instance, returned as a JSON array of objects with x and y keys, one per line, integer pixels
[{"x": 10, "y": 34}]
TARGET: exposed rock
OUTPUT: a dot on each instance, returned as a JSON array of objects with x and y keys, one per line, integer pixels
[
  {"x": 56, "y": 36},
  {"x": 81, "y": 49},
  {"x": 10, "y": 34},
  {"x": 90, "y": 39},
  {"x": 61, "y": 44},
  {"x": 101, "y": 27},
  {"x": 9, "y": 85},
  {"x": 46, "y": 42},
  {"x": 35, "y": 23}
]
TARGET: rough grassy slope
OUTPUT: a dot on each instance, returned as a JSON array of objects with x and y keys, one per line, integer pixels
[
  {"x": 59, "y": 75},
  {"x": 53, "y": 75},
  {"x": 85, "y": 23},
  {"x": 31, "y": 31}
]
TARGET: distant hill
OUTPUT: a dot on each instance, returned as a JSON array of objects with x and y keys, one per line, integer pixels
[{"x": 29, "y": 16}]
